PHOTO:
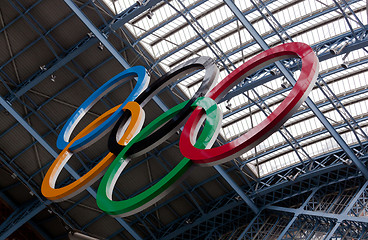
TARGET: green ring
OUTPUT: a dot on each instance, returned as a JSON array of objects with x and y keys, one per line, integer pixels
[{"x": 161, "y": 188}]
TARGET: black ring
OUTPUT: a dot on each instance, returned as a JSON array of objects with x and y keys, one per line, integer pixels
[{"x": 176, "y": 122}]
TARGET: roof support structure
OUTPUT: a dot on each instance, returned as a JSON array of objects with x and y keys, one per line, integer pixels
[
  {"x": 103, "y": 39},
  {"x": 322, "y": 56},
  {"x": 55, "y": 154},
  {"x": 329, "y": 94},
  {"x": 272, "y": 34},
  {"x": 329, "y": 56},
  {"x": 125, "y": 64},
  {"x": 237, "y": 189},
  {"x": 249, "y": 226},
  {"x": 291, "y": 79},
  {"x": 319, "y": 221},
  {"x": 349, "y": 208},
  {"x": 294, "y": 218},
  {"x": 97, "y": 33},
  {"x": 19, "y": 217},
  {"x": 14, "y": 206},
  {"x": 347, "y": 18},
  {"x": 21, "y": 214},
  {"x": 269, "y": 195},
  {"x": 212, "y": 215},
  {"x": 20, "y": 16},
  {"x": 344, "y": 216},
  {"x": 231, "y": 20},
  {"x": 79, "y": 48},
  {"x": 248, "y": 86},
  {"x": 328, "y": 170}
]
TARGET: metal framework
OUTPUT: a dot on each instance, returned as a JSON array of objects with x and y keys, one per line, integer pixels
[{"x": 286, "y": 188}]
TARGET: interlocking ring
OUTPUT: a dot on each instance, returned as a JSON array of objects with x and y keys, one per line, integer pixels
[
  {"x": 169, "y": 128},
  {"x": 167, "y": 183},
  {"x": 95, "y": 134},
  {"x": 59, "y": 194},
  {"x": 196, "y": 151},
  {"x": 288, "y": 106}
]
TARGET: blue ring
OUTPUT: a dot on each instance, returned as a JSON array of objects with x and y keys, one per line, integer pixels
[{"x": 141, "y": 85}]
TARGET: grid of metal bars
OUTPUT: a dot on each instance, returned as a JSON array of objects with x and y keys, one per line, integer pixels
[{"x": 286, "y": 162}]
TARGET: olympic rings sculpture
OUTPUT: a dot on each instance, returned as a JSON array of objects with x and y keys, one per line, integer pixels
[{"x": 128, "y": 139}]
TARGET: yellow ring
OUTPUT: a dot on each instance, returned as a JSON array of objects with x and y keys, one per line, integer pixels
[{"x": 59, "y": 194}]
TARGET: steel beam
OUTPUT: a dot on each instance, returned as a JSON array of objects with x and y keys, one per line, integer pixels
[
  {"x": 291, "y": 79},
  {"x": 103, "y": 39},
  {"x": 333, "y": 230},
  {"x": 282, "y": 234},
  {"x": 237, "y": 189},
  {"x": 241, "y": 236},
  {"x": 227, "y": 178},
  {"x": 338, "y": 217},
  {"x": 19, "y": 217},
  {"x": 121, "y": 60},
  {"x": 202, "y": 223},
  {"x": 54, "y": 154},
  {"x": 210, "y": 217},
  {"x": 321, "y": 56},
  {"x": 347, "y": 18},
  {"x": 344, "y": 216},
  {"x": 20, "y": 16},
  {"x": 79, "y": 48},
  {"x": 284, "y": 189},
  {"x": 30, "y": 83},
  {"x": 307, "y": 18},
  {"x": 97, "y": 33},
  {"x": 346, "y": 211}
]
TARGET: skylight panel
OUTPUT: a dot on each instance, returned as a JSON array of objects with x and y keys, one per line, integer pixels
[
  {"x": 319, "y": 145},
  {"x": 166, "y": 42},
  {"x": 317, "y": 150}
]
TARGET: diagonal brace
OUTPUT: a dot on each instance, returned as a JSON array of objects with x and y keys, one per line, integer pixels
[{"x": 291, "y": 79}]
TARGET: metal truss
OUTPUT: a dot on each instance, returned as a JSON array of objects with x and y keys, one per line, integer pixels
[
  {"x": 124, "y": 63},
  {"x": 270, "y": 194},
  {"x": 228, "y": 214},
  {"x": 79, "y": 48},
  {"x": 336, "y": 218},
  {"x": 19, "y": 217},
  {"x": 324, "y": 47},
  {"x": 323, "y": 50},
  {"x": 22, "y": 216},
  {"x": 11, "y": 226},
  {"x": 102, "y": 38},
  {"x": 273, "y": 188},
  {"x": 308, "y": 221},
  {"x": 334, "y": 100},
  {"x": 291, "y": 79}
]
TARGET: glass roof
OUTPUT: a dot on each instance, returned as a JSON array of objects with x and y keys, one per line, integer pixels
[{"x": 179, "y": 30}]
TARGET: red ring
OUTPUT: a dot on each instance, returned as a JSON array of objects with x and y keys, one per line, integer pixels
[{"x": 289, "y": 105}]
